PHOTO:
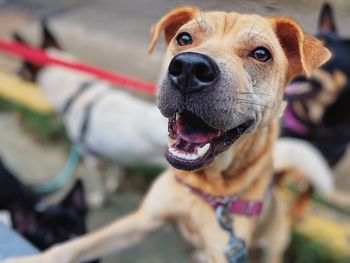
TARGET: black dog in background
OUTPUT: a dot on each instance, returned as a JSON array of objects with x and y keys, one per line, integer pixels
[
  {"x": 329, "y": 131},
  {"x": 42, "y": 226}
]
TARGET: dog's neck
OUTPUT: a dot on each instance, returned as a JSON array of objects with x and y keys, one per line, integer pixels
[{"x": 250, "y": 168}]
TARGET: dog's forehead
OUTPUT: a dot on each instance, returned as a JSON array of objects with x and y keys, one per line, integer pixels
[{"x": 235, "y": 24}]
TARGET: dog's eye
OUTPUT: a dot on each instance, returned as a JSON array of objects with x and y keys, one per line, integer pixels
[
  {"x": 261, "y": 54},
  {"x": 184, "y": 39}
]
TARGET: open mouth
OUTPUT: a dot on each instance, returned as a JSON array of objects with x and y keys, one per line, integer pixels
[
  {"x": 302, "y": 88},
  {"x": 193, "y": 144}
]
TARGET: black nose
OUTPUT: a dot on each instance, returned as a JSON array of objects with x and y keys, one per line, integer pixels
[{"x": 191, "y": 72}]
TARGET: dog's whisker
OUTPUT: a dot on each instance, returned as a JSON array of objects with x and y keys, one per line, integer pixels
[
  {"x": 241, "y": 114},
  {"x": 253, "y": 103},
  {"x": 202, "y": 15},
  {"x": 259, "y": 33},
  {"x": 257, "y": 104},
  {"x": 200, "y": 26},
  {"x": 251, "y": 29},
  {"x": 253, "y": 93}
]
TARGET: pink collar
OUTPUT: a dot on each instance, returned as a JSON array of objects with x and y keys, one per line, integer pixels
[
  {"x": 236, "y": 205},
  {"x": 293, "y": 123}
]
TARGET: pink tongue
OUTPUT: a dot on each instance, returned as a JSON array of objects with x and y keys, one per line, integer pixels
[
  {"x": 194, "y": 130},
  {"x": 292, "y": 88}
]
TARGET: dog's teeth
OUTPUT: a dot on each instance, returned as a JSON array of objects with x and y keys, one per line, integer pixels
[
  {"x": 171, "y": 142},
  {"x": 203, "y": 150},
  {"x": 177, "y": 116},
  {"x": 183, "y": 155}
]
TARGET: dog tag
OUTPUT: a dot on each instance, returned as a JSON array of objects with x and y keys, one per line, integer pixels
[{"x": 236, "y": 250}]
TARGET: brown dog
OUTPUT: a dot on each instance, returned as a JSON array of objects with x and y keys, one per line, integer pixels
[{"x": 222, "y": 90}]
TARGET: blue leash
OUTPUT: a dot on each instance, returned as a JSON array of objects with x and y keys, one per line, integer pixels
[{"x": 66, "y": 173}]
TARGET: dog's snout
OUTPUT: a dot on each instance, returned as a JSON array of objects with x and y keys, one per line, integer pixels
[{"x": 192, "y": 72}]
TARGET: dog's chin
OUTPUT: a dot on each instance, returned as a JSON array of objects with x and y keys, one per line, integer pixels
[{"x": 193, "y": 144}]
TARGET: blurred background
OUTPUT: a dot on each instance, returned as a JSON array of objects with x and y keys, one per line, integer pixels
[{"x": 114, "y": 35}]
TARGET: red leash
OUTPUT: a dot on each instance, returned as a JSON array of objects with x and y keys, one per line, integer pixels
[{"x": 40, "y": 57}]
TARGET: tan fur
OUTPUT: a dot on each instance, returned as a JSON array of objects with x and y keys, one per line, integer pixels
[{"x": 246, "y": 167}]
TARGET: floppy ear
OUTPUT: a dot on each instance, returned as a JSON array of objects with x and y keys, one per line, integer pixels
[
  {"x": 170, "y": 24},
  {"x": 326, "y": 23},
  {"x": 304, "y": 52}
]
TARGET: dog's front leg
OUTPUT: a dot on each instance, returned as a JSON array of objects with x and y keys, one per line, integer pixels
[
  {"x": 113, "y": 238},
  {"x": 96, "y": 192}
]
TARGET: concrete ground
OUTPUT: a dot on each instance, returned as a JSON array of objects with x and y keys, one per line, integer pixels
[{"x": 114, "y": 34}]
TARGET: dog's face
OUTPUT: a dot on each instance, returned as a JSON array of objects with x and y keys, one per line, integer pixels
[
  {"x": 312, "y": 96},
  {"x": 225, "y": 76}
]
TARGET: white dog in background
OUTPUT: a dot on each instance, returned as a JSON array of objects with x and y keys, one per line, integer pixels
[
  {"x": 105, "y": 124},
  {"x": 109, "y": 126}
]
